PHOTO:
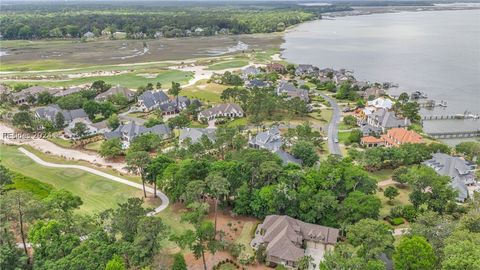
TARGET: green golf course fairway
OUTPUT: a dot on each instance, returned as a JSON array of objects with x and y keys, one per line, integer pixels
[{"x": 97, "y": 193}]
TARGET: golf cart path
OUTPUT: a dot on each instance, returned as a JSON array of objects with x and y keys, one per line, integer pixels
[{"x": 161, "y": 195}]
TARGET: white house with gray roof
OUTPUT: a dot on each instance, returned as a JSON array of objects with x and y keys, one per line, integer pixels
[
  {"x": 50, "y": 112},
  {"x": 151, "y": 100},
  {"x": 272, "y": 141},
  {"x": 250, "y": 71},
  {"x": 386, "y": 120},
  {"x": 228, "y": 110},
  {"x": 92, "y": 128},
  {"x": 128, "y": 132},
  {"x": 461, "y": 171},
  {"x": 195, "y": 134},
  {"x": 304, "y": 69},
  {"x": 288, "y": 89}
]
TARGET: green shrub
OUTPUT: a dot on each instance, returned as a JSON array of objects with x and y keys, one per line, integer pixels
[
  {"x": 409, "y": 212},
  {"x": 396, "y": 211},
  {"x": 396, "y": 221}
]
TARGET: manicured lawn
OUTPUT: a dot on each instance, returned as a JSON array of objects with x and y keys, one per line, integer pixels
[
  {"x": 342, "y": 126},
  {"x": 382, "y": 174},
  {"x": 238, "y": 122},
  {"x": 401, "y": 199},
  {"x": 228, "y": 64},
  {"x": 25, "y": 183},
  {"x": 172, "y": 218},
  {"x": 265, "y": 56},
  {"x": 325, "y": 114},
  {"x": 97, "y": 193},
  {"x": 94, "y": 146},
  {"x": 343, "y": 136},
  {"x": 207, "y": 92},
  {"x": 246, "y": 237},
  {"x": 61, "y": 142}
]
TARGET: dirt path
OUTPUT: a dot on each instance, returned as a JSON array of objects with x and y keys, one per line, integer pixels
[
  {"x": 385, "y": 183},
  {"x": 163, "y": 197}
]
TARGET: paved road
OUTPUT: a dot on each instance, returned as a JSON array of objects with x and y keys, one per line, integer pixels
[
  {"x": 333, "y": 147},
  {"x": 162, "y": 196}
]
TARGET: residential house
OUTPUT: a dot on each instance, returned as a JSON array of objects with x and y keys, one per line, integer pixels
[
  {"x": 373, "y": 93},
  {"x": 272, "y": 140},
  {"x": 22, "y": 96},
  {"x": 256, "y": 83},
  {"x": 150, "y": 100},
  {"x": 129, "y": 94},
  {"x": 89, "y": 35},
  {"x": 381, "y": 103},
  {"x": 288, "y": 89},
  {"x": 371, "y": 141},
  {"x": 386, "y": 120},
  {"x": 250, "y": 71},
  {"x": 68, "y": 91},
  {"x": 50, "y": 113},
  {"x": 92, "y": 128},
  {"x": 369, "y": 130},
  {"x": 398, "y": 136},
  {"x": 306, "y": 70},
  {"x": 131, "y": 130},
  {"x": 287, "y": 239},
  {"x": 229, "y": 110},
  {"x": 195, "y": 134},
  {"x": 276, "y": 67},
  {"x": 460, "y": 171}
]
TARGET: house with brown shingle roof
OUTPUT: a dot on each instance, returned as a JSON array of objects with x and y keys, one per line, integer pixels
[
  {"x": 276, "y": 67},
  {"x": 286, "y": 239}
]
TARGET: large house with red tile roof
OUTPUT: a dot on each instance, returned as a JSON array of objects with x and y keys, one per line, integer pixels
[{"x": 394, "y": 138}]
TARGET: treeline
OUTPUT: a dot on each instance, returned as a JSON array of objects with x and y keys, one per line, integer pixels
[{"x": 139, "y": 23}]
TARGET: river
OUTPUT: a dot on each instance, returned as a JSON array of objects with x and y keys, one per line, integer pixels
[{"x": 436, "y": 52}]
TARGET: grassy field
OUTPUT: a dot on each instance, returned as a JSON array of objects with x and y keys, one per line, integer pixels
[
  {"x": 238, "y": 122},
  {"x": 401, "y": 199},
  {"x": 25, "y": 183},
  {"x": 343, "y": 136},
  {"x": 97, "y": 193},
  {"x": 207, "y": 92},
  {"x": 130, "y": 80},
  {"x": 172, "y": 218},
  {"x": 383, "y": 174},
  {"x": 228, "y": 64},
  {"x": 246, "y": 237},
  {"x": 94, "y": 146}
]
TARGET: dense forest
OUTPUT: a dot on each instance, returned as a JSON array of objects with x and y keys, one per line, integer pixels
[{"x": 149, "y": 20}]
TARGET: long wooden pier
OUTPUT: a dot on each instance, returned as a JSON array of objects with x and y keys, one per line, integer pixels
[
  {"x": 455, "y": 134},
  {"x": 450, "y": 116}
]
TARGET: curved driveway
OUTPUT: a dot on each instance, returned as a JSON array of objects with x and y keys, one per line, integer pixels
[
  {"x": 162, "y": 196},
  {"x": 333, "y": 147}
]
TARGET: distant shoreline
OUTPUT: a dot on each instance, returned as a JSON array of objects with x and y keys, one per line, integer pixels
[{"x": 362, "y": 10}]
